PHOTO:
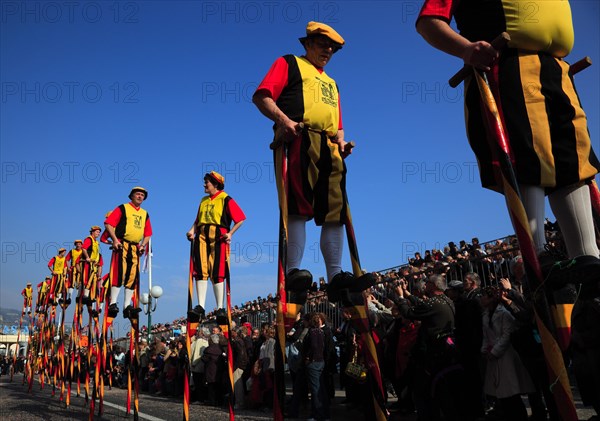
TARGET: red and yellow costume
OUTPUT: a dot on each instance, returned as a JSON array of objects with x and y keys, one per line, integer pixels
[
  {"x": 317, "y": 173},
  {"x": 42, "y": 291},
  {"x": 132, "y": 225},
  {"x": 58, "y": 267},
  {"x": 27, "y": 294},
  {"x": 211, "y": 253},
  {"x": 74, "y": 266}
]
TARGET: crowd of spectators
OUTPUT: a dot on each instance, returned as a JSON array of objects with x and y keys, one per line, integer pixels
[{"x": 458, "y": 314}]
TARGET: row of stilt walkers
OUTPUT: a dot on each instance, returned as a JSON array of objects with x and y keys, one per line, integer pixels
[{"x": 77, "y": 361}]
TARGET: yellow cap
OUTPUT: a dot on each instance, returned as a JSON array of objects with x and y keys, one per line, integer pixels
[{"x": 318, "y": 28}]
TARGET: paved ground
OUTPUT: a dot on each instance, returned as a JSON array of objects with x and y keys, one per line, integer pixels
[{"x": 17, "y": 404}]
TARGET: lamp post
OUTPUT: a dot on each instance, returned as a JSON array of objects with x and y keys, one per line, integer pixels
[
  {"x": 149, "y": 300},
  {"x": 153, "y": 292}
]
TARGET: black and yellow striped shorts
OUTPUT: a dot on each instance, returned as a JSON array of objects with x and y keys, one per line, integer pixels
[
  {"x": 543, "y": 119},
  {"x": 316, "y": 179},
  {"x": 211, "y": 254},
  {"x": 125, "y": 266}
]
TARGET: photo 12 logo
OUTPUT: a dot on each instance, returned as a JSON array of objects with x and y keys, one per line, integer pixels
[
  {"x": 69, "y": 172},
  {"x": 69, "y": 12},
  {"x": 438, "y": 172},
  {"x": 69, "y": 91},
  {"x": 27, "y": 253},
  {"x": 242, "y": 172},
  {"x": 269, "y": 11}
]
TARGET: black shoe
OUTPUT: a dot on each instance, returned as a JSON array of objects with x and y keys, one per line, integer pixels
[
  {"x": 346, "y": 280},
  {"x": 131, "y": 313},
  {"x": 196, "y": 313},
  {"x": 86, "y": 301},
  {"x": 60, "y": 301},
  {"x": 298, "y": 280},
  {"x": 583, "y": 270},
  {"x": 94, "y": 313},
  {"x": 68, "y": 301},
  {"x": 113, "y": 311}
]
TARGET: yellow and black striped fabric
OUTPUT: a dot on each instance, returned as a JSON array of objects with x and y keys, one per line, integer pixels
[
  {"x": 210, "y": 254},
  {"x": 90, "y": 277},
  {"x": 543, "y": 119},
  {"x": 126, "y": 264}
]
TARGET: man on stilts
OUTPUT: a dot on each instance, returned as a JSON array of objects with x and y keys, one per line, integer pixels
[
  {"x": 27, "y": 294},
  {"x": 211, "y": 235},
  {"x": 129, "y": 227},
  {"x": 74, "y": 267},
  {"x": 309, "y": 152},
  {"x": 211, "y": 239},
  {"x": 549, "y": 142},
  {"x": 303, "y": 102},
  {"x": 58, "y": 267},
  {"x": 91, "y": 262}
]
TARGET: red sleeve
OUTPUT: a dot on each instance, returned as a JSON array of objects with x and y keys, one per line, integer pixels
[
  {"x": 235, "y": 212},
  {"x": 87, "y": 243},
  {"x": 276, "y": 79},
  {"x": 105, "y": 237},
  {"x": 114, "y": 217},
  {"x": 51, "y": 263},
  {"x": 101, "y": 261},
  {"x": 148, "y": 227},
  {"x": 437, "y": 8}
]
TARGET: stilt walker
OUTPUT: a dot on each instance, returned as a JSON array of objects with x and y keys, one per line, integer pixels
[
  {"x": 554, "y": 358},
  {"x": 311, "y": 175},
  {"x": 527, "y": 119},
  {"x": 129, "y": 228},
  {"x": 211, "y": 235},
  {"x": 500, "y": 145}
]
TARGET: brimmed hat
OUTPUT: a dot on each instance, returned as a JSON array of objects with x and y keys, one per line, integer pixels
[
  {"x": 28, "y": 283},
  {"x": 317, "y": 28},
  {"x": 138, "y": 189},
  {"x": 95, "y": 228},
  {"x": 215, "y": 178},
  {"x": 62, "y": 249},
  {"x": 77, "y": 241}
]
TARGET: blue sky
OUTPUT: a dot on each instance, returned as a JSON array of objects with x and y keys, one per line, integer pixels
[{"x": 98, "y": 97}]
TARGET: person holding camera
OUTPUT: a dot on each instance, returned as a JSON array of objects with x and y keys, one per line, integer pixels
[{"x": 433, "y": 352}]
